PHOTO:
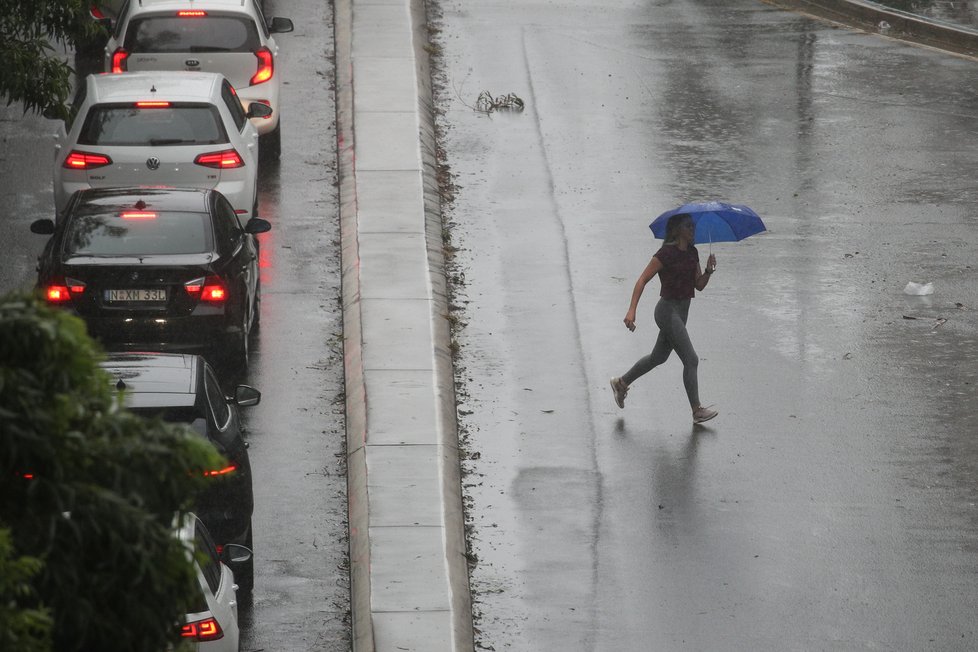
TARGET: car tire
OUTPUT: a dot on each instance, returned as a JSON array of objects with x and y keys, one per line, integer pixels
[
  {"x": 270, "y": 145},
  {"x": 246, "y": 581},
  {"x": 256, "y": 318},
  {"x": 238, "y": 349}
]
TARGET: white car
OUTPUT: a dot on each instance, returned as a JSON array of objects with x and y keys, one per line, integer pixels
[
  {"x": 212, "y": 625},
  {"x": 171, "y": 129},
  {"x": 231, "y": 37}
]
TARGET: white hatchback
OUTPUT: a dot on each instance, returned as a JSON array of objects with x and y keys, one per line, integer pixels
[
  {"x": 212, "y": 623},
  {"x": 231, "y": 37},
  {"x": 173, "y": 129}
]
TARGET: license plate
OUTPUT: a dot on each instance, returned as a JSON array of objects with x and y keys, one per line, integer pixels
[{"x": 157, "y": 294}]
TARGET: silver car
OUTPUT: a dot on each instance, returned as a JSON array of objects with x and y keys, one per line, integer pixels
[
  {"x": 231, "y": 37},
  {"x": 171, "y": 129}
]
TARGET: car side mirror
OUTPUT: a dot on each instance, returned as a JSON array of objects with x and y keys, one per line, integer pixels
[
  {"x": 235, "y": 553},
  {"x": 258, "y": 110},
  {"x": 281, "y": 25},
  {"x": 54, "y": 112},
  {"x": 42, "y": 227},
  {"x": 246, "y": 396},
  {"x": 257, "y": 225}
]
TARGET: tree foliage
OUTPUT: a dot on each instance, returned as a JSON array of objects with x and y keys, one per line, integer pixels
[
  {"x": 91, "y": 527},
  {"x": 34, "y": 71}
]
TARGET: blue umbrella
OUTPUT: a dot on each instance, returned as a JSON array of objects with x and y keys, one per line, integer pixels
[{"x": 714, "y": 221}]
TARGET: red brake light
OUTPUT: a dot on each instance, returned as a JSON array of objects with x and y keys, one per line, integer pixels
[
  {"x": 202, "y": 630},
  {"x": 208, "y": 289},
  {"x": 57, "y": 294},
  {"x": 85, "y": 161},
  {"x": 229, "y": 158},
  {"x": 61, "y": 292},
  {"x": 230, "y": 468},
  {"x": 138, "y": 215},
  {"x": 191, "y": 13},
  {"x": 154, "y": 104},
  {"x": 119, "y": 58},
  {"x": 95, "y": 12},
  {"x": 265, "y": 66}
]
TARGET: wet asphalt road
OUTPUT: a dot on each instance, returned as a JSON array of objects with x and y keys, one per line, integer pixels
[
  {"x": 296, "y": 436},
  {"x": 832, "y": 504}
]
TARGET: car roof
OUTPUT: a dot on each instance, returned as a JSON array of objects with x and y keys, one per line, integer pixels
[
  {"x": 153, "y": 380},
  {"x": 172, "y": 85},
  {"x": 98, "y": 200}
]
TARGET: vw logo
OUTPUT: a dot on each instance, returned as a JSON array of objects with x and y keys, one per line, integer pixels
[
  {"x": 134, "y": 276},
  {"x": 192, "y": 63},
  {"x": 153, "y": 163}
]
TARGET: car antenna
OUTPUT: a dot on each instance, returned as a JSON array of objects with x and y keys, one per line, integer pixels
[
  {"x": 152, "y": 88},
  {"x": 140, "y": 205},
  {"x": 121, "y": 385}
]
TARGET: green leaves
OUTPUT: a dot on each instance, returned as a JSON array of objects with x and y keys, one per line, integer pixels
[
  {"x": 93, "y": 521},
  {"x": 36, "y": 37}
]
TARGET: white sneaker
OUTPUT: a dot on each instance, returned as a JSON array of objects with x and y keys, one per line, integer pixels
[
  {"x": 620, "y": 389},
  {"x": 702, "y": 414}
]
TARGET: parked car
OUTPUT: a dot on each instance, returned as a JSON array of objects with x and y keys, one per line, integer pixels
[
  {"x": 158, "y": 269},
  {"x": 185, "y": 389},
  {"x": 231, "y": 37},
  {"x": 212, "y": 625},
  {"x": 162, "y": 128}
]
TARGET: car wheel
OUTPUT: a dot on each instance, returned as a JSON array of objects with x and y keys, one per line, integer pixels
[
  {"x": 270, "y": 147},
  {"x": 246, "y": 581},
  {"x": 237, "y": 351},
  {"x": 256, "y": 318}
]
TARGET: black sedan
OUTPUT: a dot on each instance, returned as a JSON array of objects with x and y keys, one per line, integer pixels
[
  {"x": 159, "y": 269},
  {"x": 183, "y": 388}
]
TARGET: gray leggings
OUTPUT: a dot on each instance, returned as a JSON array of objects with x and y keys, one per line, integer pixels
[{"x": 670, "y": 317}]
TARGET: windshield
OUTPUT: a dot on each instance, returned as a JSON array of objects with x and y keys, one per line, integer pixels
[
  {"x": 175, "y": 124},
  {"x": 114, "y": 235},
  {"x": 192, "y": 34}
]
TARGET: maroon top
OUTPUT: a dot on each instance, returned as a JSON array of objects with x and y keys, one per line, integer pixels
[{"x": 678, "y": 273}]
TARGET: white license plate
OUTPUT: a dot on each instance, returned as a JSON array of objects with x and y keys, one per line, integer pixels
[{"x": 157, "y": 294}]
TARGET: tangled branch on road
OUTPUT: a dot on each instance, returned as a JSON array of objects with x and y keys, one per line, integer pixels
[{"x": 487, "y": 103}]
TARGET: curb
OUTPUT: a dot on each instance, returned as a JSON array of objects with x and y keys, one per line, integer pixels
[
  {"x": 408, "y": 569},
  {"x": 901, "y": 25}
]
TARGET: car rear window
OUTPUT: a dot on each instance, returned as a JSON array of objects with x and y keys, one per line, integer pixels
[
  {"x": 211, "y": 33},
  {"x": 175, "y": 124},
  {"x": 113, "y": 235}
]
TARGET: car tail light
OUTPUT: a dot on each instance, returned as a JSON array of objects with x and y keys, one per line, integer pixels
[
  {"x": 207, "y": 629},
  {"x": 224, "y": 160},
  {"x": 59, "y": 292},
  {"x": 265, "y": 66},
  {"x": 119, "y": 58},
  {"x": 152, "y": 104},
  {"x": 207, "y": 289},
  {"x": 77, "y": 160},
  {"x": 191, "y": 13},
  {"x": 230, "y": 468},
  {"x": 95, "y": 12}
]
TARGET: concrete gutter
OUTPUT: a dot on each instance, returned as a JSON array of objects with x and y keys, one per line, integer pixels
[
  {"x": 885, "y": 21},
  {"x": 409, "y": 574}
]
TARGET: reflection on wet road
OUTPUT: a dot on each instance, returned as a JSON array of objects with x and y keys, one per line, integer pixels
[{"x": 831, "y": 505}]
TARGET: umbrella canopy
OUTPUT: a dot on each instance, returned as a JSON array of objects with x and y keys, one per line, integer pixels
[{"x": 714, "y": 221}]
